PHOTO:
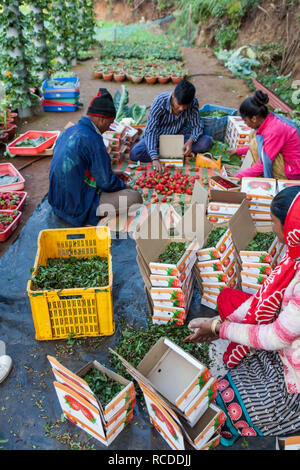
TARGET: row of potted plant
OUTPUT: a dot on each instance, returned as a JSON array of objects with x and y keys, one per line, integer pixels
[
  {"x": 157, "y": 48},
  {"x": 136, "y": 71}
]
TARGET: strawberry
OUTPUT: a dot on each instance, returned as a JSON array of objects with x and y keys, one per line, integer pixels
[
  {"x": 171, "y": 430},
  {"x": 74, "y": 404},
  {"x": 86, "y": 412},
  {"x": 158, "y": 413}
]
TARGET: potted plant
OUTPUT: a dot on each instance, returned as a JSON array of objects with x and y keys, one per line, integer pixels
[
  {"x": 119, "y": 76},
  {"x": 150, "y": 76},
  {"x": 107, "y": 74},
  {"x": 163, "y": 77}
]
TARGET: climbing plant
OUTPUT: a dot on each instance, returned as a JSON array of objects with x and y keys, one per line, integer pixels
[{"x": 13, "y": 62}]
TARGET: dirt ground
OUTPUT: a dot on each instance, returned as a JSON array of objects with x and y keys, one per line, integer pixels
[{"x": 214, "y": 85}]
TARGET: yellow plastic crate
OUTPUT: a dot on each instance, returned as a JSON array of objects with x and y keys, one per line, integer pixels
[{"x": 57, "y": 314}]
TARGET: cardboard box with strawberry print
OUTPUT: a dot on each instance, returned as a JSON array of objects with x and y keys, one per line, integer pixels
[
  {"x": 83, "y": 408},
  {"x": 283, "y": 184},
  {"x": 250, "y": 288},
  {"x": 259, "y": 186},
  {"x": 237, "y": 132},
  {"x": 223, "y": 184},
  {"x": 251, "y": 278},
  {"x": 176, "y": 388}
]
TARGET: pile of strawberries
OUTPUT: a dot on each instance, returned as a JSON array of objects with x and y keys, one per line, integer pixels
[
  {"x": 10, "y": 200},
  {"x": 166, "y": 183},
  {"x": 6, "y": 218}
]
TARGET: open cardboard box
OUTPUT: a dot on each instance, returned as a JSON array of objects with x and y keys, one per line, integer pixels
[
  {"x": 176, "y": 376},
  {"x": 176, "y": 388},
  {"x": 150, "y": 247},
  {"x": 83, "y": 408}
]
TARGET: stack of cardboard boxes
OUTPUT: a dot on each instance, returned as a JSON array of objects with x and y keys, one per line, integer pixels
[
  {"x": 260, "y": 193},
  {"x": 82, "y": 407},
  {"x": 237, "y": 132},
  {"x": 119, "y": 140},
  {"x": 169, "y": 287},
  {"x": 180, "y": 396},
  {"x": 252, "y": 267}
]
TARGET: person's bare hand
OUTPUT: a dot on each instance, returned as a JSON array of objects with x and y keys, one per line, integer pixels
[
  {"x": 158, "y": 166},
  {"x": 203, "y": 333},
  {"x": 187, "y": 148}
]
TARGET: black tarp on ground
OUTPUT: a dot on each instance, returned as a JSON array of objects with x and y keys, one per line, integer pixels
[{"x": 30, "y": 414}]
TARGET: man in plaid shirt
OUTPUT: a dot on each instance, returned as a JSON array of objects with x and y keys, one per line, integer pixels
[{"x": 172, "y": 113}]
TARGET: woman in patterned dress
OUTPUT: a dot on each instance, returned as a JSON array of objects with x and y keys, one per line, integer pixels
[{"x": 260, "y": 393}]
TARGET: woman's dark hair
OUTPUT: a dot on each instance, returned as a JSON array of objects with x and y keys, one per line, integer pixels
[
  {"x": 283, "y": 201},
  {"x": 184, "y": 92},
  {"x": 255, "y": 105}
]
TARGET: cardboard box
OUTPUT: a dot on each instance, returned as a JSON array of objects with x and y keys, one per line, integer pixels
[
  {"x": 288, "y": 443},
  {"x": 250, "y": 288},
  {"x": 172, "y": 374},
  {"x": 172, "y": 382},
  {"x": 250, "y": 278},
  {"x": 222, "y": 184},
  {"x": 210, "y": 266},
  {"x": 83, "y": 408},
  {"x": 243, "y": 231},
  {"x": 259, "y": 186},
  {"x": 171, "y": 148},
  {"x": 209, "y": 301},
  {"x": 237, "y": 132},
  {"x": 257, "y": 268},
  {"x": 282, "y": 184},
  {"x": 224, "y": 209}
]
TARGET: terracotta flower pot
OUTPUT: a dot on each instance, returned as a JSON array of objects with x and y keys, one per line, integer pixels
[
  {"x": 97, "y": 74},
  {"x": 13, "y": 117},
  {"x": 163, "y": 79},
  {"x": 136, "y": 78},
  {"x": 176, "y": 79},
  {"x": 107, "y": 76},
  {"x": 4, "y": 138},
  {"x": 10, "y": 129},
  {"x": 119, "y": 77},
  {"x": 151, "y": 80}
]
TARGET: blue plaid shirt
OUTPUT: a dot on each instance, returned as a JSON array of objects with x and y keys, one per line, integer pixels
[{"x": 161, "y": 121}]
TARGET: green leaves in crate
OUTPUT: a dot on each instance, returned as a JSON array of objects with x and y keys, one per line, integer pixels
[
  {"x": 172, "y": 253},
  {"x": 31, "y": 142},
  {"x": 103, "y": 386},
  {"x": 71, "y": 273}
]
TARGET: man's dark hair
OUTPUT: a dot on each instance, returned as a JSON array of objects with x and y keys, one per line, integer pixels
[{"x": 184, "y": 92}]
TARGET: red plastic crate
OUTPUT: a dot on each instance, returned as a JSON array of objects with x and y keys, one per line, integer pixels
[
  {"x": 32, "y": 150},
  {"x": 8, "y": 168},
  {"x": 23, "y": 195},
  {"x": 10, "y": 228}
]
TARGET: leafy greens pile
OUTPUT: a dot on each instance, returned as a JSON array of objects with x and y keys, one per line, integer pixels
[
  {"x": 214, "y": 236},
  {"x": 70, "y": 273},
  {"x": 136, "y": 112},
  {"x": 172, "y": 253},
  {"x": 102, "y": 386},
  {"x": 261, "y": 242}
]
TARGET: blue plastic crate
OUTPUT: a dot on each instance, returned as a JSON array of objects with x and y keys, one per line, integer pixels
[
  {"x": 213, "y": 126},
  {"x": 66, "y": 92},
  {"x": 60, "y": 108}
]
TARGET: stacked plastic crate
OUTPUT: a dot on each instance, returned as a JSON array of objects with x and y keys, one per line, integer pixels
[{"x": 61, "y": 94}]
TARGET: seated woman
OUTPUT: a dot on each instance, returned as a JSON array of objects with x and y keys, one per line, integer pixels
[
  {"x": 260, "y": 393},
  {"x": 275, "y": 144}
]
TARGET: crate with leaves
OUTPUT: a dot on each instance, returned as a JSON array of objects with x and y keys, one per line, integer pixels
[{"x": 70, "y": 289}]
